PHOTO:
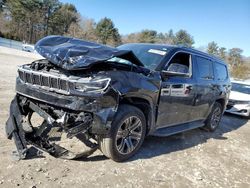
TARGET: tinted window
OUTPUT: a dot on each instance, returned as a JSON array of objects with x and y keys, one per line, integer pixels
[
  {"x": 221, "y": 71},
  {"x": 205, "y": 68}
]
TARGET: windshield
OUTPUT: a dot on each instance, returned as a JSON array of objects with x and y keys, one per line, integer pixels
[
  {"x": 150, "y": 55},
  {"x": 243, "y": 88}
]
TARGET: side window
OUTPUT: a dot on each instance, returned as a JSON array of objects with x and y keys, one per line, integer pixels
[
  {"x": 181, "y": 63},
  {"x": 220, "y": 71},
  {"x": 205, "y": 68}
]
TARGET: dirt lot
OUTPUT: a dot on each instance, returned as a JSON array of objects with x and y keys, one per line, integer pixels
[{"x": 191, "y": 159}]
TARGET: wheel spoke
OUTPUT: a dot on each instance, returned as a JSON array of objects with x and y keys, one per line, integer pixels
[
  {"x": 135, "y": 125},
  {"x": 135, "y": 135},
  {"x": 129, "y": 144},
  {"x": 128, "y": 122},
  {"x": 122, "y": 145},
  {"x": 217, "y": 118},
  {"x": 217, "y": 112},
  {"x": 119, "y": 134}
]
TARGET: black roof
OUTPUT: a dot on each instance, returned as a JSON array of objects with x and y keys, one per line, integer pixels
[
  {"x": 198, "y": 52},
  {"x": 188, "y": 49}
]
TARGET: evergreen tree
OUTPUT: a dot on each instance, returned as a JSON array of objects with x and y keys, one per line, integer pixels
[{"x": 107, "y": 33}]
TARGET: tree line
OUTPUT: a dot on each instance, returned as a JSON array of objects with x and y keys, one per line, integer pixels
[
  {"x": 239, "y": 65},
  {"x": 31, "y": 20}
]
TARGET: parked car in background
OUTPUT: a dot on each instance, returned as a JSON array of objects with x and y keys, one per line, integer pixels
[
  {"x": 239, "y": 100},
  {"x": 28, "y": 48},
  {"x": 111, "y": 98}
]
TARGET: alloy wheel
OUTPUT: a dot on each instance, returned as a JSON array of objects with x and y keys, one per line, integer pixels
[
  {"x": 129, "y": 135},
  {"x": 215, "y": 120}
]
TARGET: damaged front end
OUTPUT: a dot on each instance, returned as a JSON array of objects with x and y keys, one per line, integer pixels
[
  {"x": 69, "y": 99},
  {"x": 76, "y": 92},
  {"x": 81, "y": 106}
]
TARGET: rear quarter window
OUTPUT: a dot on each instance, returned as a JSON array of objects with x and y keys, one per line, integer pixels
[{"x": 220, "y": 71}]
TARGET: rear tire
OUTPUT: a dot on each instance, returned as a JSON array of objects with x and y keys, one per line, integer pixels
[
  {"x": 126, "y": 136},
  {"x": 213, "y": 120}
]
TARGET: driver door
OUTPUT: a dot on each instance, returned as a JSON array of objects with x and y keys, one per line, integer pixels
[{"x": 177, "y": 92}]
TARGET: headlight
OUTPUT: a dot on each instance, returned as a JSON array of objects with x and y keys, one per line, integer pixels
[{"x": 92, "y": 85}]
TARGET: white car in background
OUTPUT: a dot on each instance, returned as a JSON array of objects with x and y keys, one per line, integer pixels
[
  {"x": 239, "y": 99},
  {"x": 28, "y": 48}
]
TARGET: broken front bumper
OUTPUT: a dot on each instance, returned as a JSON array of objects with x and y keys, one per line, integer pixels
[
  {"x": 82, "y": 117},
  {"x": 19, "y": 128},
  {"x": 14, "y": 129}
]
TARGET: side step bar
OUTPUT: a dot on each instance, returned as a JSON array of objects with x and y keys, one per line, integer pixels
[{"x": 167, "y": 131}]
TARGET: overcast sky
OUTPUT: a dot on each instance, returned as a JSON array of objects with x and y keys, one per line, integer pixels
[{"x": 226, "y": 22}]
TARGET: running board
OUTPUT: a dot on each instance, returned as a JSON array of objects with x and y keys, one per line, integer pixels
[{"x": 167, "y": 131}]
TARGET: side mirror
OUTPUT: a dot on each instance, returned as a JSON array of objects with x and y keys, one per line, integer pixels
[{"x": 166, "y": 74}]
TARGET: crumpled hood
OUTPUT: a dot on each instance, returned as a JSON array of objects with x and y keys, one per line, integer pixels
[{"x": 74, "y": 54}]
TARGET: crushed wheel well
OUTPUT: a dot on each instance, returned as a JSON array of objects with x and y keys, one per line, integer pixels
[{"x": 143, "y": 105}]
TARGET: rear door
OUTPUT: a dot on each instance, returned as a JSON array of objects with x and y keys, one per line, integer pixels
[{"x": 206, "y": 87}]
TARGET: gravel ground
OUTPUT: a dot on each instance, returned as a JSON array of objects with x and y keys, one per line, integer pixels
[{"x": 192, "y": 159}]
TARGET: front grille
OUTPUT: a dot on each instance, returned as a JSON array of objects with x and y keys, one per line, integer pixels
[
  {"x": 44, "y": 80},
  {"x": 36, "y": 80},
  {"x": 54, "y": 83},
  {"x": 21, "y": 75},
  {"x": 63, "y": 84},
  {"x": 28, "y": 78}
]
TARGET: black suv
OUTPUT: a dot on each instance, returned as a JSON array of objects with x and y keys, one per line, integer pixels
[{"x": 111, "y": 98}]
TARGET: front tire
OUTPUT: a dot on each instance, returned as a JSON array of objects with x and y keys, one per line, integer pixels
[
  {"x": 213, "y": 120},
  {"x": 127, "y": 134}
]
